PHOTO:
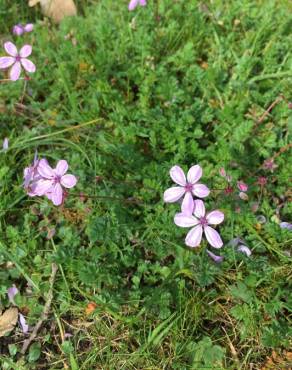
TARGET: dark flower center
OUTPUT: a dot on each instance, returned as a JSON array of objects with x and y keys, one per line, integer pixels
[
  {"x": 203, "y": 221},
  {"x": 189, "y": 187},
  {"x": 17, "y": 58}
]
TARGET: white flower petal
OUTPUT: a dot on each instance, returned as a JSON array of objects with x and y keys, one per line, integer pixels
[
  {"x": 173, "y": 194},
  {"x": 213, "y": 237},
  {"x": 187, "y": 206},
  {"x": 6, "y": 62},
  {"x": 28, "y": 65},
  {"x": 200, "y": 190},
  {"x": 194, "y": 236},
  {"x": 25, "y": 51},
  {"x": 183, "y": 220},
  {"x": 10, "y": 49},
  {"x": 215, "y": 217},
  {"x": 194, "y": 174},
  {"x": 178, "y": 176},
  {"x": 199, "y": 208}
]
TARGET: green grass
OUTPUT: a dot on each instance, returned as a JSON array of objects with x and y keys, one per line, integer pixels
[{"x": 136, "y": 95}]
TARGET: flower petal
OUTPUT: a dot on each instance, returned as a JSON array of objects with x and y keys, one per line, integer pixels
[
  {"x": 200, "y": 190},
  {"x": 215, "y": 258},
  {"x": 194, "y": 236},
  {"x": 45, "y": 170},
  {"x": 173, "y": 194},
  {"x": 57, "y": 195},
  {"x": 17, "y": 30},
  {"x": 143, "y": 2},
  {"x": 187, "y": 206},
  {"x": 28, "y": 27},
  {"x": 285, "y": 225},
  {"x": 10, "y": 49},
  {"x": 199, "y": 208},
  {"x": 244, "y": 249},
  {"x": 28, "y": 65},
  {"x": 23, "y": 324},
  {"x": 213, "y": 237},
  {"x": 177, "y": 175},
  {"x": 25, "y": 51},
  {"x": 15, "y": 71},
  {"x": 41, "y": 187},
  {"x": 68, "y": 181},
  {"x": 133, "y": 4},
  {"x": 215, "y": 217},
  {"x": 194, "y": 174},
  {"x": 183, "y": 220},
  {"x": 242, "y": 186},
  {"x": 11, "y": 292},
  {"x": 61, "y": 168},
  {"x": 6, "y": 62}
]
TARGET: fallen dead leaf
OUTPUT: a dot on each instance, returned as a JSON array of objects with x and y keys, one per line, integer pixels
[
  {"x": 90, "y": 308},
  {"x": 8, "y": 321}
]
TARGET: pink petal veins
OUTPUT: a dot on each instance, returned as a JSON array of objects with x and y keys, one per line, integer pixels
[
  {"x": 45, "y": 170},
  {"x": 177, "y": 175},
  {"x": 61, "y": 168},
  {"x": 57, "y": 195},
  {"x": 215, "y": 217},
  {"x": 15, "y": 71},
  {"x": 187, "y": 206},
  {"x": 199, "y": 209},
  {"x": 10, "y": 49},
  {"x": 194, "y": 174},
  {"x": 42, "y": 186},
  {"x": 200, "y": 190},
  {"x": 182, "y": 220},
  {"x": 25, "y": 51},
  {"x": 194, "y": 236},
  {"x": 213, "y": 237},
  {"x": 28, "y": 65},
  {"x": 173, "y": 194},
  {"x": 6, "y": 62}
]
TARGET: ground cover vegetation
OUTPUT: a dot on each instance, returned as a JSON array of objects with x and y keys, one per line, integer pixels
[{"x": 124, "y": 96}]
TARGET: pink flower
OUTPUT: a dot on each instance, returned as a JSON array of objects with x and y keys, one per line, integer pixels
[
  {"x": 11, "y": 292},
  {"x": 16, "y": 60},
  {"x": 23, "y": 324},
  {"x": 215, "y": 258},
  {"x": 242, "y": 186},
  {"x": 269, "y": 164},
  {"x": 31, "y": 176},
  {"x": 187, "y": 188},
  {"x": 201, "y": 223},
  {"x": 52, "y": 180},
  {"x": 134, "y": 3},
  {"x": 20, "y": 29}
]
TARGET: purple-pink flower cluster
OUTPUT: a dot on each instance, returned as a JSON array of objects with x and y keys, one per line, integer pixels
[
  {"x": 20, "y": 29},
  {"x": 193, "y": 214},
  {"x": 40, "y": 179}
]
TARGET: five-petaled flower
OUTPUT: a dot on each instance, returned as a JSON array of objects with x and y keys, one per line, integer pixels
[
  {"x": 187, "y": 188},
  {"x": 134, "y": 3},
  {"x": 40, "y": 179},
  {"x": 52, "y": 180},
  {"x": 200, "y": 223},
  {"x": 16, "y": 60}
]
